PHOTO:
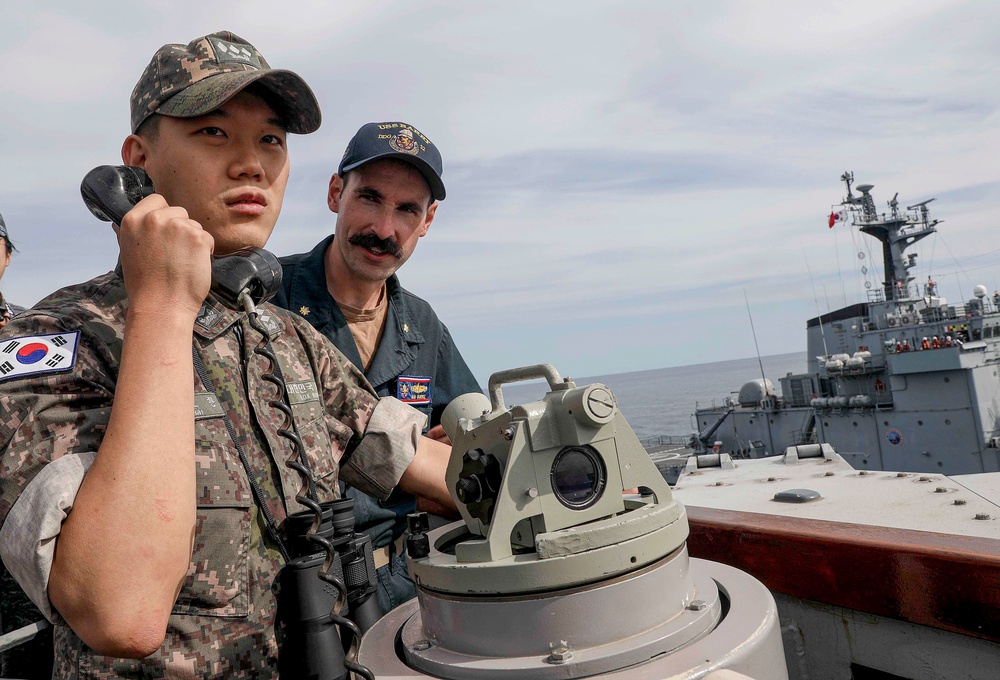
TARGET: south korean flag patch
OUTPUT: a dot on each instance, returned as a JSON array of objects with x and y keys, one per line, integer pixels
[{"x": 38, "y": 354}]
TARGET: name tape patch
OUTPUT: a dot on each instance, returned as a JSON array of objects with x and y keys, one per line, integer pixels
[
  {"x": 414, "y": 389},
  {"x": 38, "y": 354},
  {"x": 302, "y": 392}
]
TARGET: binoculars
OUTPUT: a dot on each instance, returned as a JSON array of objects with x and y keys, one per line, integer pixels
[{"x": 311, "y": 645}]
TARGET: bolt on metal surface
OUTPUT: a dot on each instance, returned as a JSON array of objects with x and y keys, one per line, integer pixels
[
  {"x": 924, "y": 479},
  {"x": 507, "y": 433},
  {"x": 422, "y": 645},
  {"x": 941, "y": 489},
  {"x": 982, "y": 515},
  {"x": 901, "y": 474},
  {"x": 560, "y": 654},
  {"x": 697, "y": 605},
  {"x": 829, "y": 473},
  {"x": 960, "y": 501}
]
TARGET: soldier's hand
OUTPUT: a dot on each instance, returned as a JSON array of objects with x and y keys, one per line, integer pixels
[
  {"x": 166, "y": 257},
  {"x": 5, "y": 319}
]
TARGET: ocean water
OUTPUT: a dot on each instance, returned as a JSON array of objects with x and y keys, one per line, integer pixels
[{"x": 662, "y": 401}]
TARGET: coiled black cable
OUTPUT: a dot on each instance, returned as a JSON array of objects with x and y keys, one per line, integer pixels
[{"x": 306, "y": 495}]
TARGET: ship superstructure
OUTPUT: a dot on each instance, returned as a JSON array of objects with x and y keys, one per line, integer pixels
[{"x": 902, "y": 381}]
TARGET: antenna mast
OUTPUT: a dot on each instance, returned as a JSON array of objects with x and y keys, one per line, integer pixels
[{"x": 755, "y": 346}]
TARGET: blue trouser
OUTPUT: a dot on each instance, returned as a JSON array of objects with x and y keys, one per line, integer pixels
[{"x": 384, "y": 522}]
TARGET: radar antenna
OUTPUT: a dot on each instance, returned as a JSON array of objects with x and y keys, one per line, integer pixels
[
  {"x": 923, "y": 209},
  {"x": 848, "y": 178},
  {"x": 895, "y": 231}
]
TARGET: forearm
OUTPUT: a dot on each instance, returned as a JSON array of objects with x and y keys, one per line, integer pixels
[
  {"x": 425, "y": 475},
  {"x": 125, "y": 547}
]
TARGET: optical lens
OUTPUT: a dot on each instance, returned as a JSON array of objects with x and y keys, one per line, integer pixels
[{"x": 578, "y": 477}]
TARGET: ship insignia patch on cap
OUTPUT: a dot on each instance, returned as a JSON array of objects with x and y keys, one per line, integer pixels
[
  {"x": 37, "y": 354},
  {"x": 414, "y": 389},
  {"x": 403, "y": 142}
]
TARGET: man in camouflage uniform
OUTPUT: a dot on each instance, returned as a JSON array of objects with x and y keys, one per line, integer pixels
[
  {"x": 143, "y": 480},
  {"x": 385, "y": 194}
]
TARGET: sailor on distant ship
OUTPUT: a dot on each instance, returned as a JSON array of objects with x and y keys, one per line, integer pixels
[{"x": 930, "y": 288}]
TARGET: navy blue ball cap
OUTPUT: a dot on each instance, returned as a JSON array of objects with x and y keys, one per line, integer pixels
[{"x": 395, "y": 140}]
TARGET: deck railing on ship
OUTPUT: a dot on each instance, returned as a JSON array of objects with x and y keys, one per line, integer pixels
[{"x": 665, "y": 440}]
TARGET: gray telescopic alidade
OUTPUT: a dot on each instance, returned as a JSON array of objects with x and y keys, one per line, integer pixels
[{"x": 555, "y": 572}]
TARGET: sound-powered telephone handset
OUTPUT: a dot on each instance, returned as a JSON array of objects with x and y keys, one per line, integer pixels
[{"x": 110, "y": 191}]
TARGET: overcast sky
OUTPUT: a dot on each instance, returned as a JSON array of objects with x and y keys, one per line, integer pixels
[{"x": 618, "y": 173}]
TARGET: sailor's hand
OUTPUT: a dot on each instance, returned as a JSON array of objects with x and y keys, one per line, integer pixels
[
  {"x": 435, "y": 508},
  {"x": 166, "y": 258},
  {"x": 437, "y": 433}
]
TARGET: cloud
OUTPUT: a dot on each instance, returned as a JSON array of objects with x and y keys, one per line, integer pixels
[{"x": 617, "y": 174}]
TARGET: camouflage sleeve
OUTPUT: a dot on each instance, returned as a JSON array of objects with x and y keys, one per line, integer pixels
[
  {"x": 385, "y": 451},
  {"x": 51, "y": 427},
  {"x": 382, "y": 434}
]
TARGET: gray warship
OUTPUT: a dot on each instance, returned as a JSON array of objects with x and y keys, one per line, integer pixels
[{"x": 902, "y": 381}]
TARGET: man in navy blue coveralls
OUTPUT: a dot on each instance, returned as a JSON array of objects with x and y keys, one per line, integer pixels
[{"x": 385, "y": 194}]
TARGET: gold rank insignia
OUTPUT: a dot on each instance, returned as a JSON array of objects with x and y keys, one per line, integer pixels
[
  {"x": 303, "y": 310},
  {"x": 406, "y": 328}
]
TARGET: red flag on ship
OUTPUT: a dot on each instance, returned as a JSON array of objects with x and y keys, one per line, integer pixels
[{"x": 837, "y": 217}]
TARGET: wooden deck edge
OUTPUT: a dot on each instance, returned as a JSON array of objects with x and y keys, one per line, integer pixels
[{"x": 944, "y": 581}]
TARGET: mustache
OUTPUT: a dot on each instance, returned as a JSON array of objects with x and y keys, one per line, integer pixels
[{"x": 375, "y": 244}]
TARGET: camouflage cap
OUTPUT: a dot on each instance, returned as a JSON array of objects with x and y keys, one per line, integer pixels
[
  {"x": 395, "y": 140},
  {"x": 191, "y": 80}
]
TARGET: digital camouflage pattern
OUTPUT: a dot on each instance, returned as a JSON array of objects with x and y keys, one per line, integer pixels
[
  {"x": 194, "y": 79},
  {"x": 223, "y": 623}
]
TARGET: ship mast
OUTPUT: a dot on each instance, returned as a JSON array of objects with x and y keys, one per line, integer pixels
[{"x": 896, "y": 231}]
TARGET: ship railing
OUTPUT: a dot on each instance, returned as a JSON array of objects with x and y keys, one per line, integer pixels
[
  {"x": 665, "y": 440},
  {"x": 876, "y": 295},
  {"x": 805, "y": 437}
]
